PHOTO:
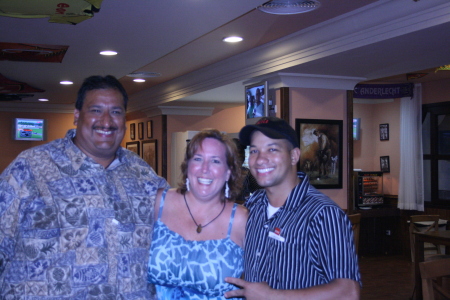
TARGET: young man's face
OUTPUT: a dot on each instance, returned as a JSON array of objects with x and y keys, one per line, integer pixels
[
  {"x": 270, "y": 160},
  {"x": 100, "y": 124}
]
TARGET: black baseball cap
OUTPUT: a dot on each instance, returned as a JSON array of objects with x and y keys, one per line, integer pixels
[{"x": 271, "y": 127}]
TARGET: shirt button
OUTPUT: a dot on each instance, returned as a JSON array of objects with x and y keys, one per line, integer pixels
[{"x": 266, "y": 226}]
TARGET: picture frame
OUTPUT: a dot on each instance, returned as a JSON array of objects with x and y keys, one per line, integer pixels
[
  {"x": 385, "y": 165},
  {"x": 384, "y": 132},
  {"x": 149, "y": 129},
  {"x": 321, "y": 156},
  {"x": 141, "y": 130},
  {"x": 150, "y": 154},
  {"x": 256, "y": 102},
  {"x": 133, "y": 146},
  {"x": 132, "y": 131}
]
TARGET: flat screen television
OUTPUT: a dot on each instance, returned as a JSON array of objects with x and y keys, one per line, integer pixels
[
  {"x": 256, "y": 102},
  {"x": 25, "y": 129},
  {"x": 356, "y": 129}
]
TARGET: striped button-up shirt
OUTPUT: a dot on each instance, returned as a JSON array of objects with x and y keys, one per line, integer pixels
[{"x": 307, "y": 242}]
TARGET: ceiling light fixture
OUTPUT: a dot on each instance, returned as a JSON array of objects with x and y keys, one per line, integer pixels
[
  {"x": 144, "y": 74},
  {"x": 289, "y": 7},
  {"x": 139, "y": 80},
  {"x": 43, "y": 100},
  {"x": 108, "y": 52},
  {"x": 66, "y": 82},
  {"x": 233, "y": 39}
]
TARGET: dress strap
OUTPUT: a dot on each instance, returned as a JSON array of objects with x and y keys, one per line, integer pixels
[
  {"x": 231, "y": 219},
  {"x": 161, "y": 203}
]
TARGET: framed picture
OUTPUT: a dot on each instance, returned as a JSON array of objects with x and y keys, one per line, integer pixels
[
  {"x": 384, "y": 164},
  {"x": 149, "y": 129},
  {"x": 133, "y": 146},
  {"x": 141, "y": 130},
  {"x": 384, "y": 132},
  {"x": 132, "y": 131},
  {"x": 149, "y": 154},
  {"x": 321, "y": 151}
]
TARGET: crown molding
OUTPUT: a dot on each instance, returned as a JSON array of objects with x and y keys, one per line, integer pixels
[
  {"x": 37, "y": 107},
  {"x": 368, "y": 25},
  {"x": 186, "y": 110}
]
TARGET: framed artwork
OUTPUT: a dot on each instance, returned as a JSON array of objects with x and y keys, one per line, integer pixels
[
  {"x": 133, "y": 146},
  {"x": 132, "y": 131},
  {"x": 149, "y": 129},
  {"x": 149, "y": 154},
  {"x": 384, "y": 164},
  {"x": 321, "y": 151},
  {"x": 384, "y": 132},
  {"x": 141, "y": 130}
]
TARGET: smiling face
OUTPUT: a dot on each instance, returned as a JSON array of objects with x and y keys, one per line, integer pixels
[
  {"x": 272, "y": 161},
  {"x": 100, "y": 125},
  {"x": 208, "y": 170}
]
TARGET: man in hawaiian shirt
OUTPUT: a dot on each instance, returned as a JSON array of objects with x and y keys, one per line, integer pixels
[{"x": 76, "y": 214}]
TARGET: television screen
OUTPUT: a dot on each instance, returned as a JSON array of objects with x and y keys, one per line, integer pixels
[
  {"x": 356, "y": 129},
  {"x": 29, "y": 129},
  {"x": 256, "y": 102}
]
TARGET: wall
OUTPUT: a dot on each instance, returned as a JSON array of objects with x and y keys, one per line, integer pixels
[
  {"x": 307, "y": 103},
  {"x": 367, "y": 151},
  {"x": 57, "y": 126},
  {"x": 155, "y": 134},
  {"x": 228, "y": 120}
]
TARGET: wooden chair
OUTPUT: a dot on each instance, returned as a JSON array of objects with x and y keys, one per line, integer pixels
[
  {"x": 433, "y": 221},
  {"x": 355, "y": 219},
  {"x": 434, "y": 284}
]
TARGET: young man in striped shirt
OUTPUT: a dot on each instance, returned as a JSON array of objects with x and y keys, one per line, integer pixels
[{"x": 299, "y": 243}]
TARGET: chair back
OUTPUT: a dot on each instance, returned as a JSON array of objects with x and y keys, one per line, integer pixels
[
  {"x": 432, "y": 273},
  {"x": 355, "y": 219},
  {"x": 429, "y": 223}
]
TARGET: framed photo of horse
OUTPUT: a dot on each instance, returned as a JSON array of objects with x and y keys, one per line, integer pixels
[{"x": 321, "y": 151}]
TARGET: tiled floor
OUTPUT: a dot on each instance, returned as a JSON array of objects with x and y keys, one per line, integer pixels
[{"x": 387, "y": 278}]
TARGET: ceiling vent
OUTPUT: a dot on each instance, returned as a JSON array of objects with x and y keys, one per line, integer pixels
[{"x": 289, "y": 7}]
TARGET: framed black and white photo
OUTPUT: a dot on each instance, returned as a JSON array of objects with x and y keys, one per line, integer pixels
[
  {"x": 132, "y": 131},
  {"x": 149, "y": 154},
  {"x": 141, "y": 130},
  {"x": 133, "y": 146},
  {"x": 384, "y": 132},
  {"x": 321, "y": 151},
  {"x": 384, "y": 164},
  {"x": 149, "y": 129}
]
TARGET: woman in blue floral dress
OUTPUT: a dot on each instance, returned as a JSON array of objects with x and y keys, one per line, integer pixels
[{"x": 199, "y": 234}]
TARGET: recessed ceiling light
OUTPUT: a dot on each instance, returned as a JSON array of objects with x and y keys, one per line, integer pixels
[
  {"x": 233, "y": 39},
  {"x": 66, "y": 82},
  {"x": 42, "y": 99},
  {"x": 139, "y": 80},
  {"x": 108, "y": 52}
]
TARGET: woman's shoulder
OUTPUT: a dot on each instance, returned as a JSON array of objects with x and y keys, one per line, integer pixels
[{"x": 241, "y": 214}]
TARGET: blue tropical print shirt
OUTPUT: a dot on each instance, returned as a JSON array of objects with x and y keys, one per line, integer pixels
[{"x": 72, "y": 229}]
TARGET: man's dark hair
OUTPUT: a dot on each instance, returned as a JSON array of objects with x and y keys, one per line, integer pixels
[{"x": 97, "y": 83}]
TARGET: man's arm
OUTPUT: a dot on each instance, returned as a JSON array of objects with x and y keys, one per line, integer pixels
[{"x": 337, "y": 289}]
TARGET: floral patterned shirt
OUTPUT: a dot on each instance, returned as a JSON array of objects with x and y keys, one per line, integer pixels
[{"x": 71, "y": 229}]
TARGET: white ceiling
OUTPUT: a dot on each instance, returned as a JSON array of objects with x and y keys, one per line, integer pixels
[{"x": 181, "y": 39}]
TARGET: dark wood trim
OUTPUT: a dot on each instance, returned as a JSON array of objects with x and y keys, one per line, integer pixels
[
  {"x": 350, "y": 187},
  {"x": 164, "y": 147},
  {"x": 284, "y": 104}
]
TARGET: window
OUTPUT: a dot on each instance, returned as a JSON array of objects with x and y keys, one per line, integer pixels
[{"x": 436, "y": 153}]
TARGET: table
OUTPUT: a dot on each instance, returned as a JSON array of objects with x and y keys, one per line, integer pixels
[{"x": 435, "y": 237}]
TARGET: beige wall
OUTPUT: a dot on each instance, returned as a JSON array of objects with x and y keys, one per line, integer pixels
[
  {"x": 228, "y": 120},
  {"x": 367, "y": 151},
  {"x": 323, "y": 104}
]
